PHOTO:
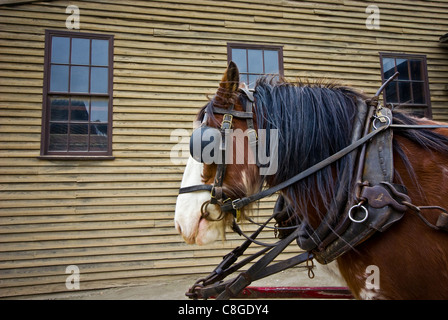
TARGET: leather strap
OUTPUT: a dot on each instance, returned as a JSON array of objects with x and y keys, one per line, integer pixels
[
  {"x": 198, "y": 187},
  {"x": 235, "y": 113},
  {"x": 260, "y": 269},
  {"x": 418, "y": 126}
]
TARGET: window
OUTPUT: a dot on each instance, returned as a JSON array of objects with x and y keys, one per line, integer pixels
[
  {"x": 254, "y": 61},
  {"x": 410, "y": 89},
  {"x": 77, "y": 97}
]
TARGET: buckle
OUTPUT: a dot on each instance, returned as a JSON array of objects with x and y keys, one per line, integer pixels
[
  {"x": 237, "y": 210},
  {"x": 234, "y": 204},
  {"x": 227, "y": 119}
]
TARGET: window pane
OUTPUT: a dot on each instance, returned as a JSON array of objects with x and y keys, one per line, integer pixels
[
  {"x": 405, "y": 92},
  {"x": 58, "y": 137},
  {"x": 252, "y": 79},
  {"x": 100, "y": 52},
  {"x": 402, "y": 67},
  {"x": 244, "y": 78},
  {"x": 255, "y": 58},
  {"x": 79, "y": 79},
  {"x": 100, "y": 110},
  {"x": 79, "y": 137},
  {"x": 388, "y": 67},
  {"x": 79, "y": 110},
  {"x": 59, "y": 109},
  {"x": 391, "y": 92},
  {"x": 239, "y": 57},
  {"x": 59, "y": 78},
  {"x": 80, "y": 51},
  {"x": 98, "y": 137},
  {"x": 271, "y": 62},
  {"x": 60, "y": 48},
  {"x": 416, "y": 69},
  {"x": 419, "y": 92},
  {"x": 99, "y": 80}
]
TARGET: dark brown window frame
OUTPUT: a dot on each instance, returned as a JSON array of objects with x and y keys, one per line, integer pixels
[
  {"x": 45, "y": 135},
  {"x": 248, "y": 46},
  {"x": 426, "y": 107}
]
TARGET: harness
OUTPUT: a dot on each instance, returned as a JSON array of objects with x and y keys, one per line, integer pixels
[{"x": 373, "y": 204}]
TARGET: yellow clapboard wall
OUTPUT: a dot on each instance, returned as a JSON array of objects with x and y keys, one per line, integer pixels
[{"x": 114, "y": 219}]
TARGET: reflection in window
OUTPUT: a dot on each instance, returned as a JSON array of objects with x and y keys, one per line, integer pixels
[
  {"x": 77, "y": 102},
  {"x": 99, "y": 80},
  {"x": 74, "y": 135},
  {"x": 58, "y": 136},
  {"x": 80, "y": 51},
  {"x": 79, "y": 137},
  {"x": 59, "y": 107},
  {"x": 79, "y": 79},
  {"x": 59, "y": 78},
  {"x": 60, "y": 50},
  {"x": 79, "y": 109},
  {"x": 100, "y": 52},
  {"x": 410, "y": 89},
  {"x": 99, "y": 110},
  {"x": 98, "y": 137},
  {"x": 77, "y": 61},
  {"x": 255, "y": 61}
]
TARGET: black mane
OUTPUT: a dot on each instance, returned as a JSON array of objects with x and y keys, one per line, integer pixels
[{"x": 314, "y": 122}]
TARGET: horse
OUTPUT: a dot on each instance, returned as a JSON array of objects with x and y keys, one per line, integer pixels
[{"x": 314, "y": 121}]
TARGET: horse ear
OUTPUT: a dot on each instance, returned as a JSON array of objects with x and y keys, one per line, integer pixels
[{"x": 231, "y": 78}]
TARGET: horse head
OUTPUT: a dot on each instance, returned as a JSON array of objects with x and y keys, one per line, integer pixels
[{"x": 220, "y": 167}]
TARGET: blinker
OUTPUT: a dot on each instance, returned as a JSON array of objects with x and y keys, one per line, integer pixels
[{"x": 204, "y": 145}]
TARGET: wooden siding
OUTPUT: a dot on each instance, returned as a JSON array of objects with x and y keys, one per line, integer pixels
[{"x": 114, "y": 219}]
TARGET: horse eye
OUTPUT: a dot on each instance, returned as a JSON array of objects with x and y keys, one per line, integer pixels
[{"x": 204, "y": 145}]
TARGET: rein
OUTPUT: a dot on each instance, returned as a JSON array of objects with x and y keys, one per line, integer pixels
[{"x": 323, "y": 244}]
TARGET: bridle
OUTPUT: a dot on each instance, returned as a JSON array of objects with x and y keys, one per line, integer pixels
[{"x": 217, "y": 194}]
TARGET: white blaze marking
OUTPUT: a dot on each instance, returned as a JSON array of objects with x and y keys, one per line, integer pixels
[{"x": 187, "y": 217}]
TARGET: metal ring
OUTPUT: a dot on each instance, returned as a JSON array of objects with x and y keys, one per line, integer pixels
[
  {"x": 206, "y": 215},
  {"x": 388, "y": 122},
  {"x": 366, "y": 212}
]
